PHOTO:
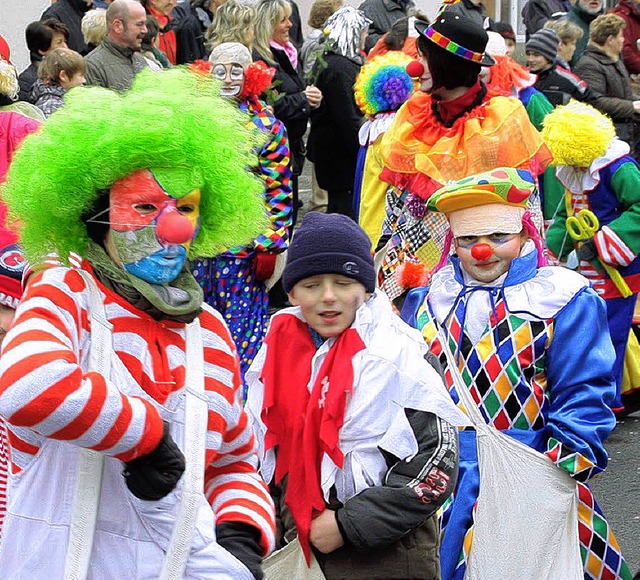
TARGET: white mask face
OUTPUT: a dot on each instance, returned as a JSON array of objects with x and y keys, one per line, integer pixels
[{"x": 232, "y": 77}]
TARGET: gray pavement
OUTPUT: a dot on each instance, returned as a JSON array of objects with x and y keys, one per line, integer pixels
[{"x": 617, "y": 490}]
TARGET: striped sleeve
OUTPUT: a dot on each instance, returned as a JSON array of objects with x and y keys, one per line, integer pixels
[
  {"x": 611, "y": 248},
  {"x": 43, "y": 386},
  {"x": 4, "y": 471},
  {"x": 274, "y": 168},
  {"x": 232, "y": 485}
]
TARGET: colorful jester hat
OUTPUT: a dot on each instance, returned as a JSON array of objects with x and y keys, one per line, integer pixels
[
  {"x": 383, "y": 83},
  {"x": 174, "y": 123},
  {"x": 486, "y": 203}
]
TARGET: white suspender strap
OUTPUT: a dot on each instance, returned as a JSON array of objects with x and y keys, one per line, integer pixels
[
  {"x": 90, "y": 464},
  {"x": 196, "y": 417},
  {"x": 458, "y": 382}
]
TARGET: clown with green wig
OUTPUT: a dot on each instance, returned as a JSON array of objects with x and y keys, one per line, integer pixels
[
  {"x": 528, "y": 358},
  {"x": 130, "y": 451}
]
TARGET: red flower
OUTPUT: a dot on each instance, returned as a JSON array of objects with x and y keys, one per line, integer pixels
[
  {"x": 257, "y": 79},
  {"x": 201, "y": 67}
]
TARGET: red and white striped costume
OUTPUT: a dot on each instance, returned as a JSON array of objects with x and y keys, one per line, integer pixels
[{"x": 53, "y": 404}]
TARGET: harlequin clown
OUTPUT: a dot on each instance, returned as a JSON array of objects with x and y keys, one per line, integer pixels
[
  {"x": 120, "y": 388},
  {"x": 236, "y": 282},
  {"x": 382, "y": 87},
  {"x": 601, "y": 177},
  {"x": 511, "y": 324},
  {"x": 453, "y": 127}
]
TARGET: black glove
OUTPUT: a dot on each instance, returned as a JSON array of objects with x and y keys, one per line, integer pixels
[
  {"x": 243, "y": 541},
  {"x": 588, "y": 250},
  {"x": 153, "y": 476}
]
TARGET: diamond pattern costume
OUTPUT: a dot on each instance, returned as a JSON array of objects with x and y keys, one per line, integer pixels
[{"x": 532, "y": 381}]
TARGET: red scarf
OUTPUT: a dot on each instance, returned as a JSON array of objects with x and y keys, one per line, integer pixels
[{"x": 304, "y": 426}]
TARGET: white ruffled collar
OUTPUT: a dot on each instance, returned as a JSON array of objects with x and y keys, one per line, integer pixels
[
  {"x": 578, "y": 180},
  {"x": 371, "y": 129}
]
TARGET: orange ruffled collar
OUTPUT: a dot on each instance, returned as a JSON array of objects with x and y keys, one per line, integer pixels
[{"x": 420, "y": 154}]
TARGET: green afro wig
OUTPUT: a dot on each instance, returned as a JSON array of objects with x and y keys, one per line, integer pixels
[{"x": 173, "y": 122}]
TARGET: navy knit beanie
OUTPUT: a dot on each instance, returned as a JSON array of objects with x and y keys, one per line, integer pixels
[{"x": 329, "y": 244}]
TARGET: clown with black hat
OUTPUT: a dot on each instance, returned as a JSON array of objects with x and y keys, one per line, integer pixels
[
  {"x": 529, "y": 359},
  {"x": 453, "y": 128}
]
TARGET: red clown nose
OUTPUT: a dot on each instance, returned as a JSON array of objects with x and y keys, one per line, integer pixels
[
  {"x": 481, "y": 252},
  {"x": 174, "y": 228},
  {"x": 415, "y": 69}
]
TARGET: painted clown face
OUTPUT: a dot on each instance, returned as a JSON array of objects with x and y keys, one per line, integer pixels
[
  {"x": 486, "y": 258},
  {"x": 151, "y": 231},
  {"x": 232, "y": 77}
]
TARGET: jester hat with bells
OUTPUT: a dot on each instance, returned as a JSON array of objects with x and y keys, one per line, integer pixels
[
  {"x": 490, "y": 202},
  {"x": 173, "y": 123}
]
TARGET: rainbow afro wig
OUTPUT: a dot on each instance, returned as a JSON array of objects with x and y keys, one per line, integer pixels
[
  {"x": 577, "y": 134},
  {"x": 172, "y": 122},
  {"x": 383, "y": 83}
]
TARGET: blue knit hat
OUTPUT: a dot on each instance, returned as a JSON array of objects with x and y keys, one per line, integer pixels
[{"x": 329, "y": 244}]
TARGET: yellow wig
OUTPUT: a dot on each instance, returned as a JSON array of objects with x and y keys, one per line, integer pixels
[{"x": 577, "y": 134}]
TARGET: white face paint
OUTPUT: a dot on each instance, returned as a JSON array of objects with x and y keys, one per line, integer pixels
[{"x": 232, "y": 77}]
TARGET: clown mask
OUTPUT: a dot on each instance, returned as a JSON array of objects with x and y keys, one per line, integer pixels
[
  {"x": 232, "y": 77},
  {"x": 151, "y": 230}
]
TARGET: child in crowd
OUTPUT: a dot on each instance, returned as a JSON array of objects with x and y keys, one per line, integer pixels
[
  {"x": 557, "y": 84},
  {"x": 382, "y": 87},
  {"x": 356, "y": 431},
  {"x": 534, "y": 362},
  {"x": 601, "y": 177},
  {"x": 60, "y": 70},
  {"x": 505, "y": 30}
]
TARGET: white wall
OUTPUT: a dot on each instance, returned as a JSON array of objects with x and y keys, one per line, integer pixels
[{"x": 14, "y": 17}]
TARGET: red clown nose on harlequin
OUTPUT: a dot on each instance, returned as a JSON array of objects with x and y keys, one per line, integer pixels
[
  {"x": 415, "y": 69},
  {"x": 481, "y": 252},
  {"x": 174, "y": 228}
]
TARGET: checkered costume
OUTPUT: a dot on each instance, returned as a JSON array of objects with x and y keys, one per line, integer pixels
[{"x": 532, "y": 380}]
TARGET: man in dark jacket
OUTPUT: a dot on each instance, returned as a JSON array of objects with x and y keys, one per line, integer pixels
[
  {"x": 583, "y": 13},
  {"x": 629, "y": 10},
  {"x": 557, "y": 84},
  {"x": 383, "y": 13},
  {"x": 535, "y": 13},
  {"x": 602, "y": 68},
  {"x": 70, "y": 13},
  {"x": 190, "y": 22},
  {"x": 42, "y": 38},
  {"x": 117, "y": 59}
]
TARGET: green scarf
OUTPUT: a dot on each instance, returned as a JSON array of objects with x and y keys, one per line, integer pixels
[{"x": 181, "y": 300}]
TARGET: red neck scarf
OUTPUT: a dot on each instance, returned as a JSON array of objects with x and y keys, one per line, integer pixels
[
  {"x": 305, "y": 425},
  {"x": 450, "y": 109}
]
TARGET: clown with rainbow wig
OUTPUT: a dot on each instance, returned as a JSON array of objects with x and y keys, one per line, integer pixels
[
  {"x": 382, "y": 87},
  {"x": 504, "y": 325}
]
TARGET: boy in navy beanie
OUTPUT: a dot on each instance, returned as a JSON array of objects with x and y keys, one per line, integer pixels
[{"x": 344, "y": 404}]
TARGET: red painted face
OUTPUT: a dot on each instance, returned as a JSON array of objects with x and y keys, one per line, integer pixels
[
  {"x": 151, "y": 231},
  {"x": 138, "y": 200}
]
